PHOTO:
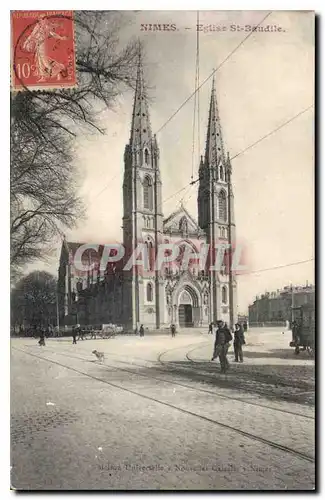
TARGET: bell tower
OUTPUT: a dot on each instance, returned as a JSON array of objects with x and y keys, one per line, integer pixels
[
  {"x": 216, "y": 214},
  {"x": 142, "y": 214}
]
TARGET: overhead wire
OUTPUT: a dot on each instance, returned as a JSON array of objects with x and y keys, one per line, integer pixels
[
  {"x": 276, "y": 267},
  {"x": 210, "y": 76}
]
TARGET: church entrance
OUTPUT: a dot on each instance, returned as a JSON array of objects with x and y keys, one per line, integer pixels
[
  {"x": 186, "y": 306},
  {"x": 185, "y": 315}
]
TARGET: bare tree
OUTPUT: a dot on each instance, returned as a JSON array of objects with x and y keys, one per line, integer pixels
[
  {"x": 34, "y": 300},
  {"x": 44, "y": 125}
]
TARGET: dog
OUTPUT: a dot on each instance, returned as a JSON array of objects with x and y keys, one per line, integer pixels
[{"x": 99, "y": 355}]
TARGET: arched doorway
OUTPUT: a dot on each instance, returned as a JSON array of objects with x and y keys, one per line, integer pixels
[{"x": 187, "y": 307}]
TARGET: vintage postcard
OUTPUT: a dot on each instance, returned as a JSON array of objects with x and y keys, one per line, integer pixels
[{"x": 162, "y": 250}]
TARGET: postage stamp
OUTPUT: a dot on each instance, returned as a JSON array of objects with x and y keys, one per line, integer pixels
[{"x": 43, "y": 50}]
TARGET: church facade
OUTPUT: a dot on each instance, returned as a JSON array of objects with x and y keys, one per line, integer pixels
[{"x": 189, "y": 296}]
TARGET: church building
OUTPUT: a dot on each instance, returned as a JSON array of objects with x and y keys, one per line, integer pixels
[{"x": 185, "y": 295}]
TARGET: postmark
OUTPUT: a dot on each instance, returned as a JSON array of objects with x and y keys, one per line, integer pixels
[{"x": 43, "y": 50}]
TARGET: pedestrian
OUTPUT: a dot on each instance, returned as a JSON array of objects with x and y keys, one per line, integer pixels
[
  {"x": 42, "y": 337},
  {"x": 211, "y": 328},
  {"x": 221, "y": 345},
  {"x": 141, "y": 331},
  {"x": 81, "y": 333},
  {"x": 239, "y": 341},
  {"x": 295, "y": 327},
  {"x": 245, "y": 326},
  {"x": 173, "y": 329},
  {"x": 74, "y": 335}
]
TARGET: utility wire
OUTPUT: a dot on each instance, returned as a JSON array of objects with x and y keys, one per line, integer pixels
[
  {"x": 248, "y": 147},
  {"x": 276, "y": 267},
  {"x": 273, "y": 131},
  {"x": 207, "y": 79},
  {"x": 213, "y": 72},
  {"x": 266, "y": 135}
]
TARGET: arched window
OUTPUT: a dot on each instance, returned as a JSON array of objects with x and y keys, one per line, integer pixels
[
  {"x": 224, "y": 296},
  {"x": 147, "y": 193},
  {"x": 146, "y": 156},
  {"x": 149, "y": 292},
  {"x": 221, "y": 174},
  {"x": 222, "y": 206},
  {"x": 151, "y": 256}
]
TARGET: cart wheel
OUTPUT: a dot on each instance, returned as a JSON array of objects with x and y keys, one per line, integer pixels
[{"x": 297, "y": 350}]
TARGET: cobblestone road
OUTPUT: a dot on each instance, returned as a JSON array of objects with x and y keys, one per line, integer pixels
[{"x": 158, "y": 415}]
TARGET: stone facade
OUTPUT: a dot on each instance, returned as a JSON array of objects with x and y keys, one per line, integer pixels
[
  {"x": 186, "y": 297},
  {"x": 273, "y": 307}
]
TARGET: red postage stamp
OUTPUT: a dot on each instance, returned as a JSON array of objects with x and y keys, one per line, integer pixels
[{"x": 43, "y": 50}]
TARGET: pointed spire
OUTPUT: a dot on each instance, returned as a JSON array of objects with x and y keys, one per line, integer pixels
[
  {"x": 214, "y": 151},
  {"x": 140, "y": 127}
]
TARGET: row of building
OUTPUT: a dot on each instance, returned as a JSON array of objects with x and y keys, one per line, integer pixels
[{"x": 276, "y": 307}]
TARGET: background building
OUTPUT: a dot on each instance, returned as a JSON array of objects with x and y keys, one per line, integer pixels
[{"x": 275, "y": 307}]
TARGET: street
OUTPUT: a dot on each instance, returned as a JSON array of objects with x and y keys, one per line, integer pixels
[{"x": 157, "y": 414}]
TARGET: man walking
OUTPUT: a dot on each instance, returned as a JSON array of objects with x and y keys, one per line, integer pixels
[
  {"x": 141, "y": 331},
  {"x": 74, "y": 335},
  {"x": 173, "y": 329},
  {"x": 221, "y": 345},
  {"x": 239, "y": 341}
]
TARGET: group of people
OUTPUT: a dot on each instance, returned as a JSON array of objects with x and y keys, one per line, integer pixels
[
  {"x": 222, "y": 343},
  {"x": 172, "y": 330}
]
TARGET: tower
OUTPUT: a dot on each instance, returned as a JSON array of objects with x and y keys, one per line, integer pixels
[
  {"x": 142, "y": 214},
  {"x": 216, "y": 214}
]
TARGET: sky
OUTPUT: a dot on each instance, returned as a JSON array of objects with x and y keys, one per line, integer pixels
[{"x": 265, "y": 83}]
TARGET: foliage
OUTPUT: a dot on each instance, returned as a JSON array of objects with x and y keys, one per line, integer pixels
[{"x": 44, "y": 125}]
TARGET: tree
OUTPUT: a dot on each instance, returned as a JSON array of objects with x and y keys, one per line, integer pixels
[
  {"x": 44, "y": 125},
  {"x": 33, "y": 300}
]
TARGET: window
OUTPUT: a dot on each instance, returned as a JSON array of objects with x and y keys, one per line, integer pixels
[
  {"x": 151, "y": 256},
  {"x": 222, "y": 206},
  {"x": 221, "y": 173},
  {"x": 147, "y": 193},
  {"x": 224, "y": 297},
  {"x": 149, "y": 292},
  {"x": 146, "y": 156}
]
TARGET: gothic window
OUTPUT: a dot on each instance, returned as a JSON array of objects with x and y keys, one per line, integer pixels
[
  {"x": 183, "y": 226},
  {"x": 224, "y": 297},
  {"x": 151, "y": 256},
  {"x": 148, "y": 193},
  {"x": 221, "y": 174},
  {"x": 222, "y": 206},
  {"x": 146, "y": 156},
  {"x": 149, "y": 292}
]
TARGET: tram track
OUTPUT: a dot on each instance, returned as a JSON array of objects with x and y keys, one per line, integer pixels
[
  {"x": 172, "y": 382},
  {"x": 235, "y": 430}
]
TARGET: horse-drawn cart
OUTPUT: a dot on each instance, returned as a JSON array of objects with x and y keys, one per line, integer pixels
[{"x": 303, "y": 329}]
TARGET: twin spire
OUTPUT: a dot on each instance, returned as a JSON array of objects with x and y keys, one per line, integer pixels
[
  {"x": 214, "y": 149},
  {"x": 141, "y": 132},
  {"x": 140, "y": 127}
]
